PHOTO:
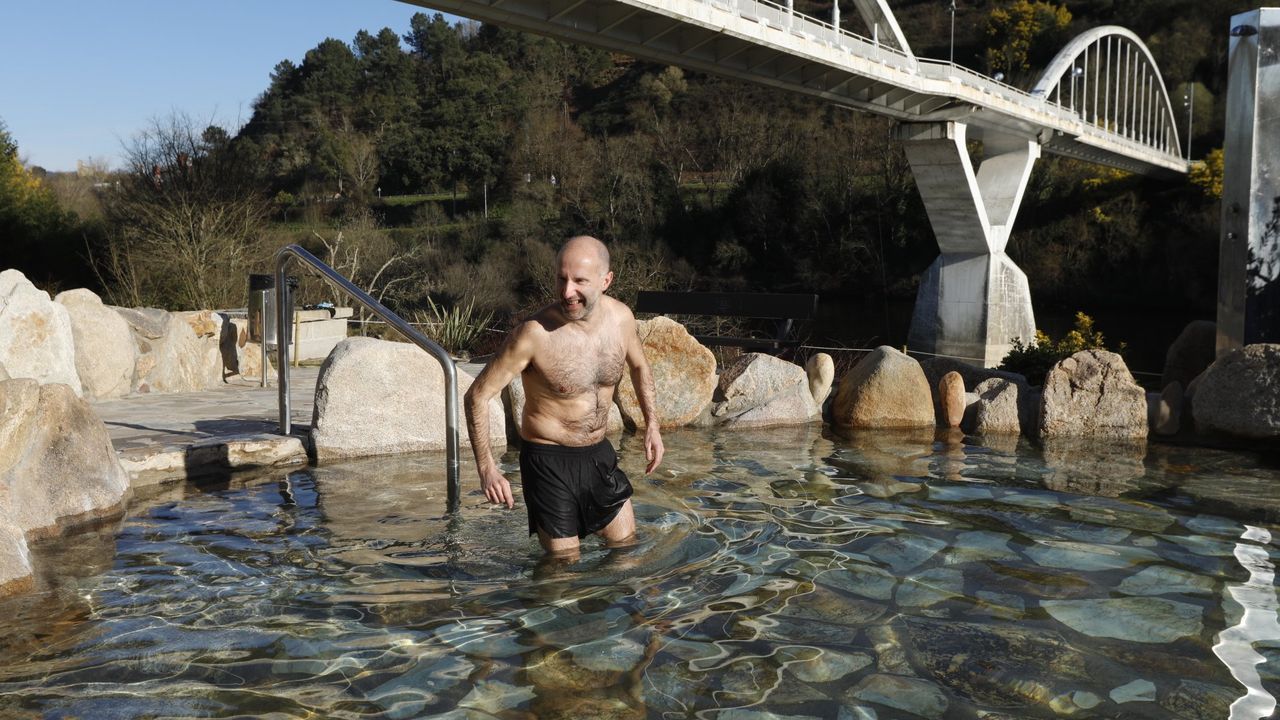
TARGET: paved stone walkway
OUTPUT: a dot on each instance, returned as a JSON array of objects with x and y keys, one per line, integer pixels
[{"x": 167, "y": 436}]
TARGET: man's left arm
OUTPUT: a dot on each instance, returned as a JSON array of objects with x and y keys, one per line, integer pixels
[{"x": 642, "y": 381}]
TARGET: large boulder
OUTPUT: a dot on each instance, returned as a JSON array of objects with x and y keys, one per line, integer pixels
[
  {"x": 1092, "y": 394},
  {"x": 57, "y": 468},
  {"x": 105, "y": 351},
  {"x": 177, "y": 352},
  {"x": 886, "y": 389},
  {"x": 515, "y": 400},
  {"x": 1239, "y": 394},
  {"x": 684, "y": 375},
  {"x": 758, "y": 390},
  {"x": 376, "y": 397},
  {"x": 1190, "y": 353},
  {"x": 36, "y": 340}
]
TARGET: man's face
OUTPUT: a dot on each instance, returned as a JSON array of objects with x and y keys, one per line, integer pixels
[{"x": 580, "y": 282}]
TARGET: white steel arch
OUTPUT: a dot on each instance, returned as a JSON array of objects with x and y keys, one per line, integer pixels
[{"x": 1107, "y": 77}]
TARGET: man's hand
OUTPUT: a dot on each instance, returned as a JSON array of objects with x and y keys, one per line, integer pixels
[
  {"x": 496, "y": 488},
  {"x": 653, "y": 449}
]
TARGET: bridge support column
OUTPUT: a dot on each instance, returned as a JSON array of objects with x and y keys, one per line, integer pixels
[{"x": 973, "y": 300}]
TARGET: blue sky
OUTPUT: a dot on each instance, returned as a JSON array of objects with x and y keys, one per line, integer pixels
[{"x": 77, "y": 78}]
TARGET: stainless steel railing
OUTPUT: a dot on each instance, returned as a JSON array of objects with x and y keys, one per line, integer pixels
[{"x": 284, "y": 305}]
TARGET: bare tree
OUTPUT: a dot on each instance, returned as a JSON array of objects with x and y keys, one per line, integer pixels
[{"x": 185, "y": 219}]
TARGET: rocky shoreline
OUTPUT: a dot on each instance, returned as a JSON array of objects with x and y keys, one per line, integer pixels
[{"x": 373, "y": 397}]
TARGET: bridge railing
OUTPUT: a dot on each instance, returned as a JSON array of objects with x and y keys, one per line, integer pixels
[{"x": 785, "y": 19}]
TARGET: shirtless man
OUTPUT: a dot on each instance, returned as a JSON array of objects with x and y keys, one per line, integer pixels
[{"x": 570, "y": 355}]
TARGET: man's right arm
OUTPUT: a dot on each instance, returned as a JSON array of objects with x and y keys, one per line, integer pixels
[{"x": 511, "y": 360}]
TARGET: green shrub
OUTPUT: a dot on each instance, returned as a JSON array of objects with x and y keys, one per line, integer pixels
[
  {"x": 456, "y": 329},
  {"x": 1035, "y": 359}
]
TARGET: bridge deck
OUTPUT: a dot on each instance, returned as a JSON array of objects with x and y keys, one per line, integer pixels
[{"x": 763, "y": 43}]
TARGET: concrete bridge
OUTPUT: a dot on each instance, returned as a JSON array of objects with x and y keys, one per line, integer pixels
[{"x": 1101, "y": 99}]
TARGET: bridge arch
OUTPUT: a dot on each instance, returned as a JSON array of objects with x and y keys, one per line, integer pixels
[{"x": 1107, "y": 77}]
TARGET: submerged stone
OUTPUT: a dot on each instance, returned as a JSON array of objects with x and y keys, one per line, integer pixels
[
  {"x": 610, "y": 654},
  {"x": 1163, "y": 580},
  {"x": 1196, "y": 700},
  {"x": 829, "y": 665},
  {"x": 1087, "y": 557},
  {"x": 912, "y": 695},
  {"x": 866, "y": 581},
  {"x": 495, "y": 696},
  {"x": 904, "y": 553},
  {"x": 931, "y": 587},
  {"x": 1136, "y": 691},
  {"x": 1135, "y": 619},
  {"x": 979, "y": 546}
]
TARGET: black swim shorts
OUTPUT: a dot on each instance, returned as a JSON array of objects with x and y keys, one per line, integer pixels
[{"x": 571, "y": 491}]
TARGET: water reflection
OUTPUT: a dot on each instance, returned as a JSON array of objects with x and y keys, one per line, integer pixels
[
  {"x": 777, "y": 573},
  {"x": 1255, "y": 601}
]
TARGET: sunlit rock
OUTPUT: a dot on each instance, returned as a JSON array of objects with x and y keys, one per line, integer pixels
[
  {"x": 57, "y": 468},
  {"x": 951, "y": 400},
  {"x": 36, "y": 339},
  {"x": 105, "y": 352},
  {"x": 1190, "y": 353},
  {"x": 1092, "y": 394},
  {"x": 1239, "y": 395},
  {"x": 15, "y": 558},
  {"x": 886, "y": 389},
  {"x": 376, "y": 397},
  {"x": 684, "y": 374},
  {"x": 821, "y": 370},
  {"x": 759, "y": 390},
  {"x": 177, "y": 352},
  {"x": 998, "y": 410},
  {"x": 1135, "y": 619}
]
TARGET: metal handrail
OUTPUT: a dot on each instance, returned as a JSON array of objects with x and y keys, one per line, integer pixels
[{"x": 284, "y": 304}]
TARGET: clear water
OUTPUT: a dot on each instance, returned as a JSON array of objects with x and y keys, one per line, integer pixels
[{"x": 780, "y": 573}]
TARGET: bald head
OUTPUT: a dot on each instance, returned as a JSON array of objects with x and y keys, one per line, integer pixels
[
  {"x": 578, "y": 244},
  {"x": 582, "y": 276}
]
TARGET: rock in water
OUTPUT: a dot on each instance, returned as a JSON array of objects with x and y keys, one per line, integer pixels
[
  {"x": 1092, "y": 394},
  {"x": 886, "y": 389},
  {"x": 951, "y": 401},
  {"x": 1239, "y": 395},
  {"x": 376, "y": 397},
  {"x": 684, "y": 374}
]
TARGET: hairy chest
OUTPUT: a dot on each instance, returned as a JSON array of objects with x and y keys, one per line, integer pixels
[{"x": 574, "y": 365}]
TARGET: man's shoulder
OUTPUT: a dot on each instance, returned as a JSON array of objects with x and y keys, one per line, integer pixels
[{"x": 617, "y": 308}]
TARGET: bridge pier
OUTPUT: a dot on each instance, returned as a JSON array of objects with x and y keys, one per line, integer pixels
[{"x": 973, "y": 300}]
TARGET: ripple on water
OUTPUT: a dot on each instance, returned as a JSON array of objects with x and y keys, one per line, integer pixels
[{"x": 776, "y": 574}]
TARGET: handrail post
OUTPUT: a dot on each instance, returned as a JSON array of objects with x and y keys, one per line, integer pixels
[
  {"x": 453, "y": 463},
  {"x": 284, "y": 303}
]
